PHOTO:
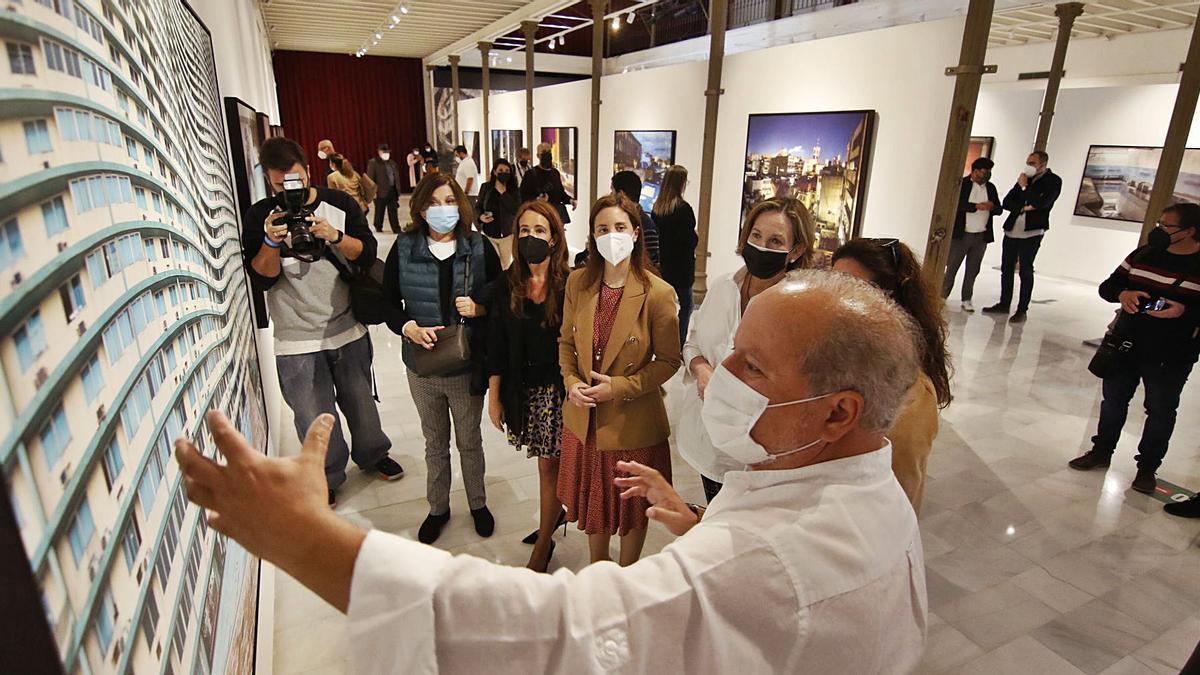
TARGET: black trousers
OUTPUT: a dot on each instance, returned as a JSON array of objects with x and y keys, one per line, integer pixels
[
  {"x": 1163, "y": 383},
  {"x": 1023, "y": 250},
  {"x": 391, "y": 203}
]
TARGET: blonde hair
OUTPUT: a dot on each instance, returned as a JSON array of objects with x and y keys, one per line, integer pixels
[
  {"x": 670, "y": 195},
  {"x": 804, "y": 228}
]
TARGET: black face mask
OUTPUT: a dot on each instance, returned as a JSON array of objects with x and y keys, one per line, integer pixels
[
  {"x": 764, "y": 264},
  {"x": 545, "y": 160},
  {"x": 533, "y": 249},
  {"x": 504, "y": 177},
  {"x": 1159, "y": 238}
]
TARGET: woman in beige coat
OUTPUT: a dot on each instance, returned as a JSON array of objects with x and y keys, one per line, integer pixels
[{"x": 353, "y": 183}]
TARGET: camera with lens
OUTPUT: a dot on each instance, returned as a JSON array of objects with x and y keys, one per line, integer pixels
[{"x": 303, "y": 244}]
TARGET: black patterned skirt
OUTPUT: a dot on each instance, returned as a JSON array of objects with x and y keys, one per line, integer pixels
[{"x": 543, "y": 422}]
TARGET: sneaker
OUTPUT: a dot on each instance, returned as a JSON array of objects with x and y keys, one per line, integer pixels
[
  {"x": 1090, "y": 460},
  {"x": 1019, "y": 317},
  {"x": 389, "y": 469},
  {"x": 485, "y": 524},
  {"x": 968, "y": 307},
  {"x": 431, "y": 529},
  {"x": 1145, "y": 482},
  {"x": 996, "y": 309},
  {"x": 332, "y": 499},
  {"x": 1188, "y": 509}
]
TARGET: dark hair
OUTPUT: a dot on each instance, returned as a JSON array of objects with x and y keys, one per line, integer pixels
[
  {"x": 560, "y": 268},
  {"x": 497, "y": 164},
  {"x": 383, "y": 147},
  {"x": 343, "y": 165},
  {"x": 982, "y": 163},
  {"x": 422, "y": 198},
  {"x": 894, "y": 269},
  {"x": 639, "y": 264},
  {"x": 1041, "y": 155},
  {"x": 1189, "y": 216},
  {"x": 628, "y": 183},
  {"x": 281, "y": 154},
  {"x": 461, "y": 148},
  {"x": 804, "y": 228}
]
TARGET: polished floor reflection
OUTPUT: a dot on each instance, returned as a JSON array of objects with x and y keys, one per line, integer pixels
[{"x": 1032, "y": 567}]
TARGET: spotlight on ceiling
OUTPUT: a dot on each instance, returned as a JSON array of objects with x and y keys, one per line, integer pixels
[
  {"x": 552, "y": 44},
  {"x": 562, "y": 40},
  {"x": 404, "y": 8},
  {"x": 616, "y": 23},
  {"x": 508, "y": 59},
  {"x": 629, "y": 18},
  {"x": 378, "y": 36},
  {"x": 395, "y": 19}
]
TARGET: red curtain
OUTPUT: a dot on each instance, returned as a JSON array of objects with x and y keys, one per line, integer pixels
[{"x": 356, "y": 103}]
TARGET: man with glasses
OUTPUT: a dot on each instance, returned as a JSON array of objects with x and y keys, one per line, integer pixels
[
  {"x": 1158, "y": 288},
  {"x": 978, "y": 201}
]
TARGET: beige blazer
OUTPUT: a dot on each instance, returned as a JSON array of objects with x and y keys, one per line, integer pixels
[
  {"x": 912, "y": 437},
  {"x": 641, "y": 355}
]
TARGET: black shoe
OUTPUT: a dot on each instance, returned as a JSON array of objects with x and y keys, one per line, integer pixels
[
  {"x": 389, "y": 469},
  {"x": 431, "y": 529},
  {"x": 561, "y": 522},
  {"x": 1090, "y": 460},
  {"x": 1145, "y": 482},
  {"x": 549, "y": 557},
  {"x": 1188, "y": 509},
  {"x": 332, "y": 499},
  {"x": 485, "y": 524},
  {"x": 1019, "y": 317},
  {"x": 996, "y": 309}
]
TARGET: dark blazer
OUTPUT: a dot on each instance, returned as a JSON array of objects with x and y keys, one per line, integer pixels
[
  {"x": 507, "y": 354},
  {"x": 965, "y": 206},
  {"x": 677, "y": 241},
  {"x": 1041, "y": 194},
  {"x": 377, "y": 172}
]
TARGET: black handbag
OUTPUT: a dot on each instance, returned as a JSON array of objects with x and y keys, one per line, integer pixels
[
  {"x": 1116, "y": 347},
  {"x": 368, "y": 302},
  {"x": 451, "y": 352}
]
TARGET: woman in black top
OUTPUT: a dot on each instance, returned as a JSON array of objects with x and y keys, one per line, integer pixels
[
  {"x": 545, "y": 182},
  {"x": 677, "y": 241},
  {"x": 497, "y": 203},
  {"x": 525, "y": 396}
]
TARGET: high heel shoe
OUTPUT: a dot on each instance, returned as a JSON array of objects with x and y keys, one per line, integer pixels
[
  {"x": 562, "y": 522},
  {"x": 549, "y": 557}
]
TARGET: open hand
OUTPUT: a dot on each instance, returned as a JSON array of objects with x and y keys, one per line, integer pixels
[
  {"x": 666, "y": 506},
  {"x": 601, "y": 391}
]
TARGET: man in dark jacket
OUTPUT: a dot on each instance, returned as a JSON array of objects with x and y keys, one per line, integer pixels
[
  {"x": 1028, "y": 203},
  {"x": 978, "y": 201},
  {"x": 386, "y": 173}
]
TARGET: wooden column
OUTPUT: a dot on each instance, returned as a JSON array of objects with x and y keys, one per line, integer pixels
[
  {"x": 485, "y": 138},
  {"x": 430, "y": 114},
  {"x": 530, "y": 29},
  {"x": 598, "y": 7},
  {"x": 968, "y": 75},
  {"x": 454, "y": 58},
  {"x": 717, "y": 19},
  {"x": 1177, "y": 135},
  {"x": 1066, "y": 13}
]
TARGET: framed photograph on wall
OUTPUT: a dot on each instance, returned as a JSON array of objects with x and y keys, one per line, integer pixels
[
  {"x": 505, "y": 144},
  {"x": 1117, "y": 181},
  {"x": 649, "y": 153},
  {"x": 564, "y": 151},
  {"x": 820, "y": 158},
  {"x": 249, "y": 179},
  {"x": 470, "y": 140},
  {"x": 978, "y": 146}
]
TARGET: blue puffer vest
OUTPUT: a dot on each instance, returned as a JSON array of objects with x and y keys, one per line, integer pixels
[{"x": 419, "y": 277}]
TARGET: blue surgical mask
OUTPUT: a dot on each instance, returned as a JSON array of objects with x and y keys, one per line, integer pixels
[{"x": 442, "y": 219}]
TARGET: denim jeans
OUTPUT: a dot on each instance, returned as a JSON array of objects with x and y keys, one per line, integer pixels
[
  {"x": 685, "y": 310},
  {"x": 1164, "y": 383},
  {"x": 323, "y": 382}
]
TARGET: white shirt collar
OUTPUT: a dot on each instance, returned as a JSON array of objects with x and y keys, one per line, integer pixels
[{"x": 859, "y": 469}]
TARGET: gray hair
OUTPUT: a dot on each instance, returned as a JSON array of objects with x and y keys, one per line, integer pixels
[{"x": 872, "y": 346}]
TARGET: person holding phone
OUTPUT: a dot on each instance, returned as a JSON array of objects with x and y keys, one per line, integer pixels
[
  {"x": 498, "y": 201},
  {"x": 619, "y": 345},
  {"x": 1158, "y": 287}
]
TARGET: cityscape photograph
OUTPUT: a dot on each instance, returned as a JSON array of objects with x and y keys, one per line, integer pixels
[{"x": 649, "y": 153}]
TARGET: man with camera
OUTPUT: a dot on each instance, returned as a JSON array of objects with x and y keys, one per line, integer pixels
[
  {"x": 298, "y": 244},
  {"x": 1158, "y": 287}
]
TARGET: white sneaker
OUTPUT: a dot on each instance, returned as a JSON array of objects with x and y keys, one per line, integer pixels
[{"x": 968, "y": 307}]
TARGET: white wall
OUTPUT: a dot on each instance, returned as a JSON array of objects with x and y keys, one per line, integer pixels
[
  {"x": 907, "y": 89},
  {"x": 243, "y": 52}
]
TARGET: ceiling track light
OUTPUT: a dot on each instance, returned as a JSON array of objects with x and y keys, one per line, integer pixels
[
  {"x": 562, "y": 40},
  {"x": 404, "y": 8},
  {"x": 616, "y": 23},
  {"x": 629, "y": 18},
  {"x": 551, "y": 44}
]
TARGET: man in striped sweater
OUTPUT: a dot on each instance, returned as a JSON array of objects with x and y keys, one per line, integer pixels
[{"x": 1158, "y": 287}]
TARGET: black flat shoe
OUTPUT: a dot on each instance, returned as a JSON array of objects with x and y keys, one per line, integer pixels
[
  {"x": 485, "y": 524},
  {"x": 562, "y": 522},
  {"x": 431, "y": 529}
]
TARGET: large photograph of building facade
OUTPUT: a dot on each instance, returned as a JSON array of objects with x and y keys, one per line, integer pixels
[
  {"x": 124, "y": 316},
  {"x": 1117, "y": 181},
  {"x": 821, "y": 159}
]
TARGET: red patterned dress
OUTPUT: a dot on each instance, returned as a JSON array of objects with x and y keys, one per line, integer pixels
[{"x": 585, "y": 474}]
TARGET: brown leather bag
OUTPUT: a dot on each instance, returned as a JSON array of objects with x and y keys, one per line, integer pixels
[{"x": 452, "y": 351}]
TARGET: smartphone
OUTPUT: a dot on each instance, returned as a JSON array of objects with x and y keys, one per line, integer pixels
[{"x": 1152, "y": 305}]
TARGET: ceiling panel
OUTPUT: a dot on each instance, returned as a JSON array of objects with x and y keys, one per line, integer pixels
[{"x": 1100, "y": 18}]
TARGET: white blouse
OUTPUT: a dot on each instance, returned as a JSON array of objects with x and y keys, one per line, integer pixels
[{"x": 810, "y": 570}]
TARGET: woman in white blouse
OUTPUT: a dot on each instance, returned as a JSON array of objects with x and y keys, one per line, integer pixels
[{"x": 777, "y": 236}]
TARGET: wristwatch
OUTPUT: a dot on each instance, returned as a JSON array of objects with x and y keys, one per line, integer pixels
[
  {"x": 341, "y": 236},
  {"x": 698, "y": 510}
]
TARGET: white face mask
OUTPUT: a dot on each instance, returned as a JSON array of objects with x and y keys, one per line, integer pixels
[
  {"x": 385, "y": 156},
  {"x": 1029, "y": 171},
  {"x": 731, "y": 409},
  {"x": 322, "y": 154},
  {"x": 615, "y": 247}
]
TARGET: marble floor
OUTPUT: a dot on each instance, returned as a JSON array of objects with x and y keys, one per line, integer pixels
[{"x": 1032, "y": 568}]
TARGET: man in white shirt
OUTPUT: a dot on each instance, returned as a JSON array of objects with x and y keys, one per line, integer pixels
[
  {"x": 467, "y": 173},
  {"x": 808, "y": 561},
  {"x": 978, "y": 201}
]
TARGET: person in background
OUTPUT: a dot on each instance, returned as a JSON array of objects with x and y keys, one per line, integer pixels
[
  {"x": 415, "y": 164},
  {"x": 322, "y": 353},
  {"x": 361, "y": 188},
  {"x": 324, "y": 151},
  {"x": 524, "y": 162},
  {"x": 891, "y": 266},
  {"x": 619, "y": 345},
  {"x": 978, "y": 201},
  {"x": 525, "y": 396},
  {"x": 431, "y": 166},
  {"x": 677, "y": 239},
  {"x": 809, "y": 562},
  {"x": 433, "y": 276},
  {"x": 385, "y": 173},
  {"x": 1028, "y": 203},
  {"x": 1158, "y": 287},
  {"x": 629, "y": 184},
  {"x": 544, "y": 181},
  {"x": 428, "y": 154},
  {"x": 467, "y": 174},
  {"x": 777, "y": 235},
  {"x": 496, "y": 206}
]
